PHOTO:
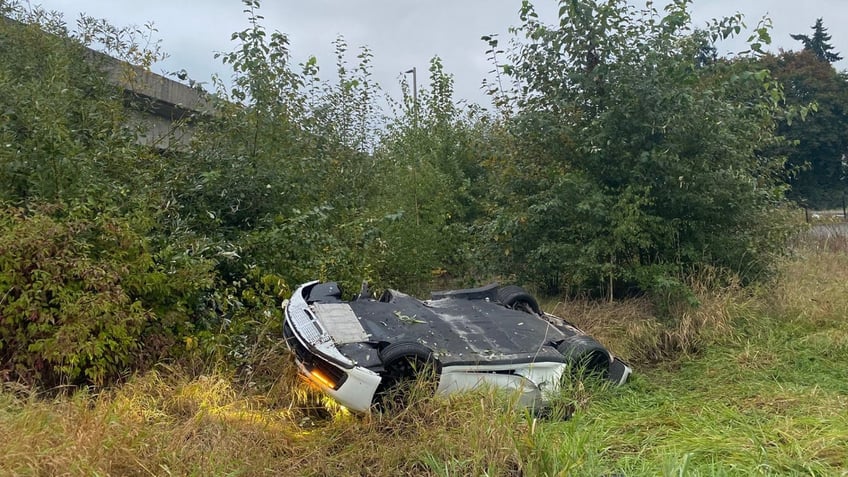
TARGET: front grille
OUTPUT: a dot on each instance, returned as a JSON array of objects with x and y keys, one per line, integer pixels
[
  {"x": 310, "y": 361},
  {"x": 293, "y": 343},
  {"x": 309, "y": 328}
]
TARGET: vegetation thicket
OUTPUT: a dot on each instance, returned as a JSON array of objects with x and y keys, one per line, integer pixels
[
  {"x": 624, "y": 158},
  {"x": 647, "y": 158}
]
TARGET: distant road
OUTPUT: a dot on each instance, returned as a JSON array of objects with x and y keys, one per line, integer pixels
[{"x": 830, "y": 230}]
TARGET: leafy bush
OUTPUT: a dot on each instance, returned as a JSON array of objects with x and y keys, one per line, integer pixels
[
  {"x": 626, "y": 158},
  {"x": 635, "y": 156},
  {"x": 83, "y": 299},
  {"x": 427, "y": 188},
  {"x": 62, "y": 125}
]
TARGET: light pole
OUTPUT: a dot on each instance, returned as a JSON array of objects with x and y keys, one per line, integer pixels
[
  {"x": 415, "y": 129},
  {"x": 414, "y": 92}
]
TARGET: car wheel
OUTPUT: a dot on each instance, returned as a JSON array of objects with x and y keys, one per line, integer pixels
[
  {"x": 517, "y": 298},
  {"x": 404, "y": 363},
  {"x": 585, "y": 354}
]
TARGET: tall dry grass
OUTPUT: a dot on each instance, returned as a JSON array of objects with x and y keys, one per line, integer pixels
[
  {"x": 635, "y": 330},
  {"x": 811, "y": 286},
  {"x": 267, "y": 421},
  {"x": 165, "y": 423},
  {"x": 814, "y": 284}
]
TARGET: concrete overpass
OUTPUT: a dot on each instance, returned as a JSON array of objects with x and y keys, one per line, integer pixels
[{"x": 161, "y": 109}]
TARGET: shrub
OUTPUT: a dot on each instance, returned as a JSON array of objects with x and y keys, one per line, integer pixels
[
  {"x": 83, "y": 299},
  {"x": 636, "y": 156}
]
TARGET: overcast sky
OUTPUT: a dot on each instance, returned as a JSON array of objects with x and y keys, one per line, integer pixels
[{"x": 401, "y": 33}]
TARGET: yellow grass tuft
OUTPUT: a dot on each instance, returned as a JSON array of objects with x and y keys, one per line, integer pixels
[
  {"x": 632, "y": 329},
  {"x": 812, "y": 285}
]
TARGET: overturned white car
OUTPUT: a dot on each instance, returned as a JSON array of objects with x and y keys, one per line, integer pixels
[{"x": 359, "y": 350}]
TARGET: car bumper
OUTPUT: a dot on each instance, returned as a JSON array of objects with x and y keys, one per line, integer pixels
[{"x": 320, "y": 361}]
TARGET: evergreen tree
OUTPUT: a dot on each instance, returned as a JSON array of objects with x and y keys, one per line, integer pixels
[{"x": 819, "y": 43}]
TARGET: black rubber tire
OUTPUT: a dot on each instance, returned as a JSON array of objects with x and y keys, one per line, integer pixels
[
  {"x": 398, "y": 358},
  {"x": 585, "y": 354},
  {"x": 403, "y": 363},
  {"x": 517, "y": 298}
]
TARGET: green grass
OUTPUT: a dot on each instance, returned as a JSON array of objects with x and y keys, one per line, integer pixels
[
  {"x": 739, "y": 410},
  {"x": 749, "y": 383},
  {"x": 767, "y": 399}
]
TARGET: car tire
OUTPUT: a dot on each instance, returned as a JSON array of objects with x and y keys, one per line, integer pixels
[
  {"x": 404, "y": 362},
  {"x": 517, "y": 298},
  {"x": 585, "y": 354}
]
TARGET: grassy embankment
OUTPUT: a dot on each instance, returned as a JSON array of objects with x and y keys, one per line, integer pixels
[{"x": 751, "y": 382}]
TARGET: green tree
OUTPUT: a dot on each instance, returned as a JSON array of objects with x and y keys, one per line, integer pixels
[
  {"x": 632, "y": 160},
  {"x": 61, "y": 124},
  {"x": 816, "y": 164},
  {"x": 236, "y": 175},
  {"x": 427, "y": 179},
  {"x": 279, "y": 177},
  {"x": 91, "y": 287},
  {"x": 819, "y": 43}
]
